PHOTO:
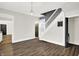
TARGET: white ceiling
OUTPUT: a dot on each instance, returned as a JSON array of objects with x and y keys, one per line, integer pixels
[{"x": 39, "y": 7}]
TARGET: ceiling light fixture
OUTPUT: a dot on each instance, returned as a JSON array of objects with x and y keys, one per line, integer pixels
[{"x": 31, "y": 11}]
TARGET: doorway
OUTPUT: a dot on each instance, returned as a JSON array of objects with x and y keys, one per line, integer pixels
[
  {"x": 67, "y": 37},
  {"x": 3, "y": 29},
  {"x": 74, "y": 30},
  {"x": 36, "y": 30}
]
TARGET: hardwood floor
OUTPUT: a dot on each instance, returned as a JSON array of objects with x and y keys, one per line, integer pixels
[
  {"x": 7, "y": 39},
  {"x": 36, "y": 47}
]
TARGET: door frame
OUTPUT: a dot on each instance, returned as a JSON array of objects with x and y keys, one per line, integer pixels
[{"x": 66, "y": 33}]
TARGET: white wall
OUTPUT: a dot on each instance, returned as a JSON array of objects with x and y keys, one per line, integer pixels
[
  {"x": 74, "y": 30},
  {"x": 71, "y": 29},
  {"x": 24, "y": 25},
  {"x": 77, "y": 31},
  {"x": 55, "y": 34}
]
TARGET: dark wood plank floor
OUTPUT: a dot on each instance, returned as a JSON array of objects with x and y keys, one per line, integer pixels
[{"x": 36, "y": 47}]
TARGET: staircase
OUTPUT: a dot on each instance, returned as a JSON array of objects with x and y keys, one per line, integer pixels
[{"x": 54, "y": 27}]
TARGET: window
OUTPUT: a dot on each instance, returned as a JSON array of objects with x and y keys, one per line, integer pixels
[{"x": 60, "y": 23}]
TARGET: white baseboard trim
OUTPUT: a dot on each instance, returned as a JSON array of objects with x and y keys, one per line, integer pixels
[
  {"x": 53, "y": 42},
  {"x": 15, "y": 41},
  {"x": 74, "y": 43}
]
